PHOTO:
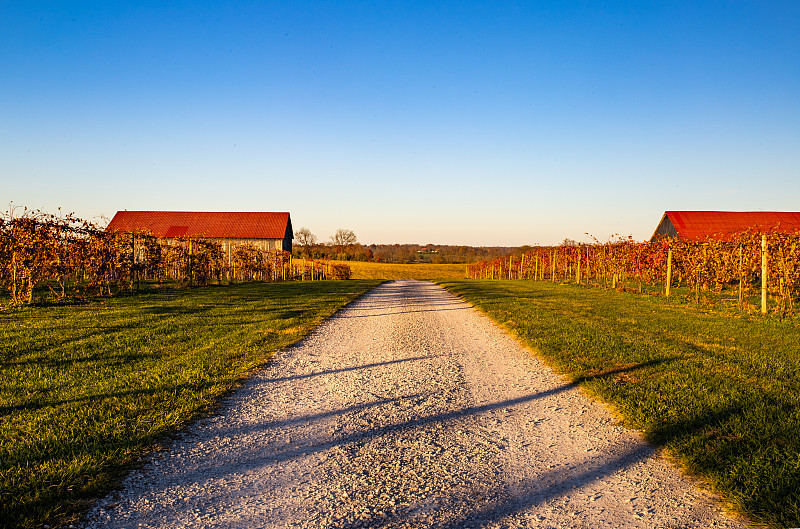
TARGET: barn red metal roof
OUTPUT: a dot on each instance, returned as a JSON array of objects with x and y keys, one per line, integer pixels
[
  {"x": 213, "y": 224},
  {"x": 698, "y": 225}
]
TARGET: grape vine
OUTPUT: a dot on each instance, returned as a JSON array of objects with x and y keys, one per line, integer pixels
[
  {"x": 71, "y": 256},
  {"x": 732, "y": 266}
]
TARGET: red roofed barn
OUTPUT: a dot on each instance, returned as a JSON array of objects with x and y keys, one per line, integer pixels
[
  {"x": 700, "y": 225},
  {"x": 266, "y": 230}
]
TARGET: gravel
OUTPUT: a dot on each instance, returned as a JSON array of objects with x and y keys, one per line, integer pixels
[{"x": 408, "y": 408}]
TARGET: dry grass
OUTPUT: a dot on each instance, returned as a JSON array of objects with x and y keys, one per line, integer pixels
[{"x": 422, "y": 272}]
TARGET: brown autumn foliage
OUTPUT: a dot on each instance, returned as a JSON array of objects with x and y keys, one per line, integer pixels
[
  {"x": 710, "y": 266},
  {"x": 73, "y": 256}
]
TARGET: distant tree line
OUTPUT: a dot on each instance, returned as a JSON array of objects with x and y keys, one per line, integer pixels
[{"x": 344, "y": 246}]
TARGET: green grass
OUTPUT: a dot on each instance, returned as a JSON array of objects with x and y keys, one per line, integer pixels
[
  {"x": 392, "y": 271},
  {"x": 85, "y": 390},
  {"x": 721, "y": 393}
]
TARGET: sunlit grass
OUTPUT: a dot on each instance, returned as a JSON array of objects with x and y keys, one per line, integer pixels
[
  {"x": 720, "y": 392},
  {"x": 392, "y": 271},
  {"x": 86, "y": 389}
]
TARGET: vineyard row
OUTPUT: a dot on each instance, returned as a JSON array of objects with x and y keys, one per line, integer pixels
[
  {"x": 745, "y": 265},
  {"x": 69, "y": 254}
]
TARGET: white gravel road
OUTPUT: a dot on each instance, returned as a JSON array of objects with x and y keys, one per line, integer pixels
[{"x": 408, "y": 408}]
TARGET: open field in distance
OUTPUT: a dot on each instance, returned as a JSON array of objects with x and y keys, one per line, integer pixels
[{"x": 392, "y": 271}]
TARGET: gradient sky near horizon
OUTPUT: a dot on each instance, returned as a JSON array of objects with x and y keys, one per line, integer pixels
[{"x": 479, "y": 123}]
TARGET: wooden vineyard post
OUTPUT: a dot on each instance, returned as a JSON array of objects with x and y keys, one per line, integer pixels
[
  {"x": 133, "y": 256},
  {"x": 578, "y": 269},
  {"x": 588, "y": 267},
  {"x": 605, "y": 267},
  {"x": 555, "y": 265},
  {"x": 764, "y": 274},
  {"x": 705, "y": 269},
  {"x": 783, "y": 298},
  {"x": 191, "y": 259},
  {"x": 697, "y": 287},
  {"x": 740, "y": 275},
  {"x": 669, "y": 271},
  {"x": 510, "y": 266},
  {"x": 536, "y": 269}
]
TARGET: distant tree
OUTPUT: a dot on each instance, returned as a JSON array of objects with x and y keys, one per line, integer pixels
[
  {"x": 342, "y": 239},
  {"x": 305, "y": 239},
  {"x": 569, "y": 242}
]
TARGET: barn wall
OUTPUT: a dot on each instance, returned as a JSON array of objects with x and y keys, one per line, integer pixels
[
  {"x": 270, "y": 245},
  {"x": 263, "y": 244}
]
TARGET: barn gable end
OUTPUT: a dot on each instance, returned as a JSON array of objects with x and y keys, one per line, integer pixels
[
  {"x": 288, "y": 234},
  {"x": 664, "y": 230}
]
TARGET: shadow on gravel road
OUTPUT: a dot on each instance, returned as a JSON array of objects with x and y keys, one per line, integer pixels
[
  {"x": 551, "y": 485},
  {"x": 325, "y": 415},
  {"x": 546, "y": 486},
  {"x": 257, "y": 457},
  {"x": 346, "y": 369},
  {"x": 392, "y": 313}
]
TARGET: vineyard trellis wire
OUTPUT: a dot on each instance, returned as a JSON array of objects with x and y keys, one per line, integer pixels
[
  {"x": 68, "y": 253},
  {"x": 740, "y": 266}
]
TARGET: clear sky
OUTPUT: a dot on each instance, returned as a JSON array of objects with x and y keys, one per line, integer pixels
[{"x": 480, "y": 123}]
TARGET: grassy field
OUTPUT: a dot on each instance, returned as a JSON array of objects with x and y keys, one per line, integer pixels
[
  {"x": 720, "y": 393},
  {"x": 87, "y": 389},
  {"x": 420, "y": 271}
]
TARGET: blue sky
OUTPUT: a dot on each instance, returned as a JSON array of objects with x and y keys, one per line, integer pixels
[{"x": 496, "y": 123}]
